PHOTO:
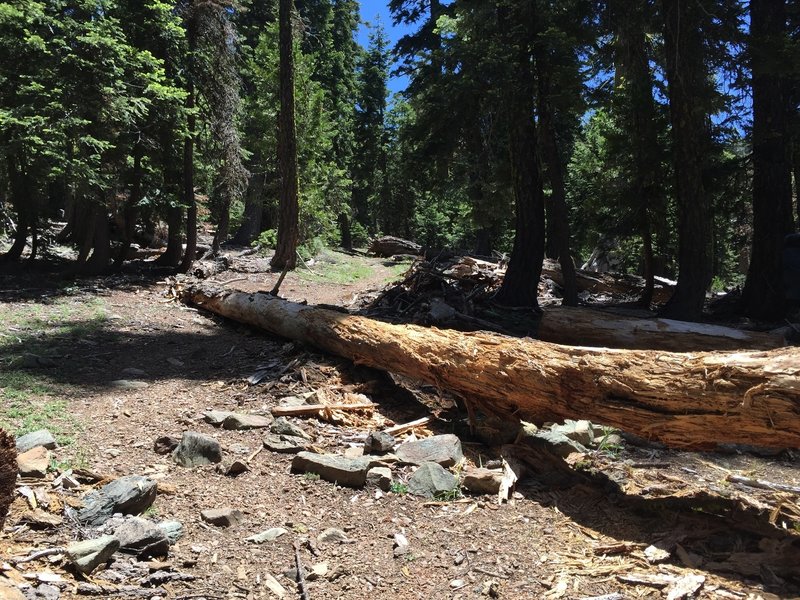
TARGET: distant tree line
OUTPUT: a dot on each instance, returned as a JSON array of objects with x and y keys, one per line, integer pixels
[{"x": 665, "y": 129}]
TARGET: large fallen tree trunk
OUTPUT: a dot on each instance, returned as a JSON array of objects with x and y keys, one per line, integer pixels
[
  {"x": 588, "y": 327},
  {"x": 687, "y": 400}
]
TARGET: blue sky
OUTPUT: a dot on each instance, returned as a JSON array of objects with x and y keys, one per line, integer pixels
[{"x": 377, "y": 11}]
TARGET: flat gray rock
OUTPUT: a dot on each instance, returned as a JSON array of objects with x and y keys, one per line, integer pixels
[
  {"x": 379, "y": 442},
  {"x": 332, "y": 535},
  {"x": 142, "y": 537},
  {"x": 350, "y": 472},
  {"x": 282, "y": 426},
  {"x": 431, "y": 480},
  {"x": 578, "y": 431},
  {"x": 42, "y": 437},
  {"x": 243, "y": 421},
  {"x": 270, "y": 535},
  {"x": 86, "y": 556},
  {"x": 196, "y": 449},
  {"x": 222, "y": 517},
  {"x": 129, "y": 384},
  {"x": 557, "y": 443},
  {"x": 287, "y": 444},
  {"x": 129, "y": 495},
  {"x": 216, "y": 417},
  {"x": 442, "y": 449},
  {"x": 172, "y": 529}
]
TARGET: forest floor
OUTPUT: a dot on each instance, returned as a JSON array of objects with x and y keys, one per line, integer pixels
[{"x": 111, "y": 364}]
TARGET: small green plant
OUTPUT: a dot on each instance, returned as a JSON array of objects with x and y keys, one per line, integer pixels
[
  {"x": 608, "y": 444},
  {"x": 267, "y": 239},
  {"x": 311, "y": 248},
  {"x": 359, "y": 234},
  {"x": 399, "y": 488},
  {"x": 449, "y": 495},
  {"x": 308, "y": 476}
]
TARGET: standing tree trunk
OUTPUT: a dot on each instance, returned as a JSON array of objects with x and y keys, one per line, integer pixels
[
  {"x": 763, "y": 295},
  {"x": 558, "y": 222},
  {"x": 253, "y": 210},
  {"x": 188, "y": 181},
  {"x": 688, "y": 98},
  {"x": 99, "y": 262},
  {"x": 21, "y": 200},
  {"x": 288, "y": 218},
  {"x": 639, "y": 114},
  {"x": 130, "y": 211},
  {"x": 520, "y": 285}
]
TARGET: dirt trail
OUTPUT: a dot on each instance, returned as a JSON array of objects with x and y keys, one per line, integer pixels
[{"x": 571, "y": 534}]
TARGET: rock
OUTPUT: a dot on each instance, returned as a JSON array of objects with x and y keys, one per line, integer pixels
[
  {"x": 34, "y": 462},
  {"x": 282, "y": 426},
  {"x": 216, "y": 417},
  {"x": 165, "y": 444},
  {"x": 42, "y": 437},
  {"x": 655, "y": 555},
  {"x": 88, "y": 555},
  {"x": 351, "y": 472},
  {"x": 380, "y": 477},
  {"x": 379, "y": 442},
  {"x": 431, "y": 480},
  {"x": 442, "y": 449},
  {"x": 578, "y": 431},
  {"x": 172, "y": 529},
  {"x": 353, "y": 452},
  {"x": 482, "y": 481},
  {"x": 129, "y": 495},
  {"x": 555, "y": 442},
  {"x": 440, "y": 311},
  {"x": 142, "y": 537},
  {"x": 332, "y": 535},
  {"x": 288, "y": 444},
  {"x": 270, "y": 535},
  {"x": 236, "y": 467},
  {"x": 317, "y": 571},
  {"x": 196, "y": 449},
  {"x": 134, "y": 372},
  {"x": 222, "y": 517},
  {"x": 401, "y": 546},
  {"x": 241, "y": 421},
  {"x": 130, "y": 384}
]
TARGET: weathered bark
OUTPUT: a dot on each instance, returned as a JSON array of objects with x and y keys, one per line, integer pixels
[
  {"x": 690, "y": 400},
  {"x": 8, "y": 473},
  {"x": 288, "y": 219},
  {"x": 687, "y": 77},
  {"x": 588, "y": 327},
  {"x": 763, "y": 294},
  {"x": 558, "y": 221},
  {"x": 520, "y": 285}
]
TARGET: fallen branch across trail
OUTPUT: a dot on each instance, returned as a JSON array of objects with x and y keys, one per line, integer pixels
[{"x": 687, "y": 400}]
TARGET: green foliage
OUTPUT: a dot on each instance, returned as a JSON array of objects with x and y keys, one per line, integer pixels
[
  {"x": 267, "y": 239},
  {"x": 399, "y": 488}
]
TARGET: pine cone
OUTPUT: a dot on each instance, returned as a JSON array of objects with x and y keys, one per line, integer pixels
[{"x": 8, "y": 473}]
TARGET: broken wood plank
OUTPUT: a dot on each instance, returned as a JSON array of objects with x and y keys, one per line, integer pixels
[
  {"x": 403, "y": 427},
  {"x": 686, "y": 400},
  {"x": 312, "y": 409}
]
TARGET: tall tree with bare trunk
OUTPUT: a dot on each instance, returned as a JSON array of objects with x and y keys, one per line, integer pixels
[{"x": 288, "y": 217}]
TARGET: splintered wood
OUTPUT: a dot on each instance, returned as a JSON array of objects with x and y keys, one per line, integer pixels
[{"x": 687, "y": 400}]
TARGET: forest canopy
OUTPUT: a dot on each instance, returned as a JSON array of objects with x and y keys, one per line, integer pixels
[{"x": 652, "y": 137}]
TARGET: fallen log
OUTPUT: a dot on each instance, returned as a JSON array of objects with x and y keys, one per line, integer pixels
[
  {"x": 686, "y": 400},
  {"x": 575, "y": 326},
  {"x": 388, "y": 245}
]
